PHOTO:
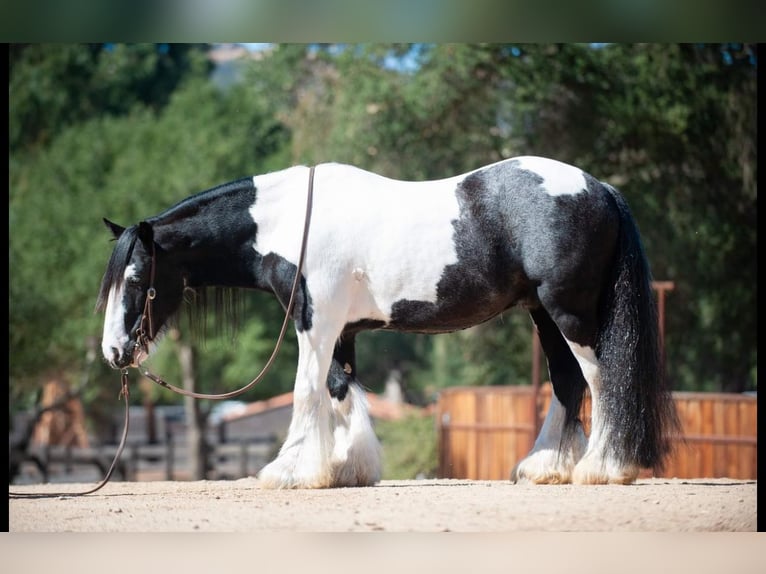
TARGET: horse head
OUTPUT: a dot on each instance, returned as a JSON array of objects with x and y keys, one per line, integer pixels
[{"x": 141, "y": 290}]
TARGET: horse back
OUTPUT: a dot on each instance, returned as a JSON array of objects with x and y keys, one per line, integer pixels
[{"x": 447, "y": 254}]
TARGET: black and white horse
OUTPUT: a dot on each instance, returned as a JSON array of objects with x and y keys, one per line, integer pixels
[{"x": 421, "y": 257}]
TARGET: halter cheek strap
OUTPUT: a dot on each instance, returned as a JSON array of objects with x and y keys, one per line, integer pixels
[
  {"x": 142, "y": 337},
  {"x": 142, "y": 340}
]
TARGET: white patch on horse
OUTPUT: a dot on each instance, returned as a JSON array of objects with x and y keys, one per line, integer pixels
[
  {"x": 586, "y": 358},
  {"x": 115, "y": 336},
  {"x": 279, "y": 212},
  {"x": 387, "y": 240},
  {"x": 558, "y": 178},
  {"x": 359, "y": 274}
]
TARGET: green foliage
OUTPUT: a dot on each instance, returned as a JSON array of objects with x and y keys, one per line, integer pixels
[
  {"x": 57, "y": 85},
  {"x": 409, "y": 447}
]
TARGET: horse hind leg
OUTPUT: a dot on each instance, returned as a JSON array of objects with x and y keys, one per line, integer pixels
[
  {"x": 599, "y": 465},
  {"x": 561, "y": 441},
  {"x": 356, "y": 456}
]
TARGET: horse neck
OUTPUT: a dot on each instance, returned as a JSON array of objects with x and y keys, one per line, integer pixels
[
  {"x": 210, "y": 236},
  {"x": 216, "y": 236},
  {"x": 279, "y": 212}
]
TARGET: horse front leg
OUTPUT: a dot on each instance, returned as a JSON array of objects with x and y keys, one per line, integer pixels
[{"x": 305, "y": 458}]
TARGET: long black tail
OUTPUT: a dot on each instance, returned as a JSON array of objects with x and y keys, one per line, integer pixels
[{"x": 636, "y": 404}]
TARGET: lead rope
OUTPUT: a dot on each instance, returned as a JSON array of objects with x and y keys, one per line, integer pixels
[{"x": 143, "y": 341}]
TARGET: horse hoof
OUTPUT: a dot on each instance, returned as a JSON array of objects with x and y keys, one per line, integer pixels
[
  {"x": 593, "y": 470},
  {"x": 541, "y": 467}
]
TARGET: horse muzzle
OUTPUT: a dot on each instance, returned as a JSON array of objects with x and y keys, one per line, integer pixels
[
  {"x": 132, "y": 356},
  {"x": 118, "y": 359}
]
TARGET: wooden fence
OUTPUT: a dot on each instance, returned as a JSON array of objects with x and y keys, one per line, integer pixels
[{"x": 484, "y": 431}]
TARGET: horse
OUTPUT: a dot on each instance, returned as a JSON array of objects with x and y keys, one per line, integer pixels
[{"x": 419, "y": 257}]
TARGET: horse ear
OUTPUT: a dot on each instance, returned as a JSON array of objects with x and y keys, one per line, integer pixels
[
  {"x": 145, "y": 233},
  {"x": 114, "y": 228}
]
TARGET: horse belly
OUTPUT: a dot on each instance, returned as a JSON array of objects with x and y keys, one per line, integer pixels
[
  {"x": 453, "y": 311},
  {"x": 462, "y": 293},
  {"x": 425, "y": 285}
]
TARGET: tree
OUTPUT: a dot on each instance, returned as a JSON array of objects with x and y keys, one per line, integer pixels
[{"x": 56, "y": 86}]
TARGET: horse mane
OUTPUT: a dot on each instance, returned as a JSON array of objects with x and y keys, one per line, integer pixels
[
  {"x": 227, "y": 307},
  {"x": 115, "y": 269}
]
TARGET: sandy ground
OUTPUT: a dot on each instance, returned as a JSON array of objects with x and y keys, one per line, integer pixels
[{"x": 651, "y": 505}]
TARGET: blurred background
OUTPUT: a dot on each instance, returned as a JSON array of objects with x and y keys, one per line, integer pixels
[{"x": 123, "y": 131}]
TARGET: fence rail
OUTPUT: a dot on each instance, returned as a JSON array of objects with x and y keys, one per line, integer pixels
[
  {"x": 484, "y": 431},
  {"x": 142, "y": 461}
]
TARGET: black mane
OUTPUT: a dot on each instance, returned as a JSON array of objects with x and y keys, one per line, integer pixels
[
  {"x": 227, "y": 306},
  {"x": 115, "y": 269}
]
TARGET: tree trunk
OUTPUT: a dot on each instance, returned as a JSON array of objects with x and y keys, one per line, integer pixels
[
  {"x": 195, "y": 435},
  {"x": 145, "y": 385}
]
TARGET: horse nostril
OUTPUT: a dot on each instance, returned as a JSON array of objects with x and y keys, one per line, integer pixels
[{"x": 115, "y": 360}]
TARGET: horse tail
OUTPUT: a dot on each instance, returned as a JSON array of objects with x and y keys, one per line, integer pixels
[{"x": 635, "y": 401}]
